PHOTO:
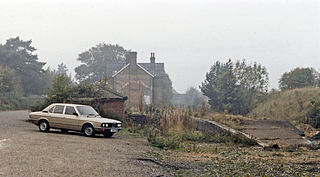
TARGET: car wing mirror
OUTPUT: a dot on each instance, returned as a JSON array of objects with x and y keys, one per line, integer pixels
[{"x": 75, "y": 114}]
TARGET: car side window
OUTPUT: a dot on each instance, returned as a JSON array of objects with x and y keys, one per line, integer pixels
[
  {"x": 58, "y": 109},
  {"x": 70, "y": 110},
  {"x": 51, "y": 109}
]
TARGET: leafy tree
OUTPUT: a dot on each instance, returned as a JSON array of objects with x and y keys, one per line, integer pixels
[
  {"x": 253, "y": 77},
  {"x": 19, "y": 56},
  {"x": 234, "y": 88},
  {"x": 61, "y": 87},
  {"x": 194, "y": 98},
  {"x": 9, "y": 84},
  {"x": 253, "y": 82},
  {"x": 48, "y": 79},
  {"x": 298, "y": 78},
  {"x": 62, "y": 69},
  {"x": 10, "y": 90},
  {"x": 99, "y": 62}
]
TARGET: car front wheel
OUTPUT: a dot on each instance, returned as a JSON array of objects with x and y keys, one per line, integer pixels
[
  {"x": 44, "y": 126},
  {"x": 88, "y": 130}
]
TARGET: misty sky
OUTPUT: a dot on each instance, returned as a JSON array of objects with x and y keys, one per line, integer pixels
[{"x": 188, "y": 36}]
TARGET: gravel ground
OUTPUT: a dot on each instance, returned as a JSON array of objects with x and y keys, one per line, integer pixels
[{"x": 25, "y": 151}]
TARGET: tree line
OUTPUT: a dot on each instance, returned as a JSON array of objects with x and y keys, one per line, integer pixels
[
  {"x": 237, "y": 87},
  {"x": 233, "y": 87},
  {"x": 22, "y": 74}
]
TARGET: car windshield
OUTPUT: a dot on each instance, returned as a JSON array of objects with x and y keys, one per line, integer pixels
[{"x": 87, "y": 111}]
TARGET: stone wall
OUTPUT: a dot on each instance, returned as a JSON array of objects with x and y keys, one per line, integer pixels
[
  {"x": 212, "y": 127},
  {"x": 157, "y": 90}
]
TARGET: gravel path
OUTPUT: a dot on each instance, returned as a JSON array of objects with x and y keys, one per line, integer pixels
[{"x": 25, "y": 151}]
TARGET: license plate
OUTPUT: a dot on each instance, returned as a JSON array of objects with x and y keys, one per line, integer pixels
[{"x": 113, "y": 130}]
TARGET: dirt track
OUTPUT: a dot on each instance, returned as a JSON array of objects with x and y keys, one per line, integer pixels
[{"x": 24, "y": 151}]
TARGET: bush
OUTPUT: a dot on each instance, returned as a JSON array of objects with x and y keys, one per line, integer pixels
[{"x": 164, "y": 142}]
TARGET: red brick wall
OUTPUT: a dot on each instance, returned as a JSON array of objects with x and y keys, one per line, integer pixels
[{"x": 113, "y": 109}]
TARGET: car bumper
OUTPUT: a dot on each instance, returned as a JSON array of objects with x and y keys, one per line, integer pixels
[{"x": 107, "y": 129}]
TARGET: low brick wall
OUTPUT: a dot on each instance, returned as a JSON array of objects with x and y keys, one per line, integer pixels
[{"x": 113, "y": 109}]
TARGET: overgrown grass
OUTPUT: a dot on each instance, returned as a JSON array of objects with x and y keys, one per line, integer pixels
[
  {"x": 288, "y": 105},
  {"x": 173, "y": 128}
]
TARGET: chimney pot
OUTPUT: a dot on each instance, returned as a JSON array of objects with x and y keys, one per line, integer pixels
[
  {"x": 131, "y": 57},
  {"x": 152, "y": 63}
]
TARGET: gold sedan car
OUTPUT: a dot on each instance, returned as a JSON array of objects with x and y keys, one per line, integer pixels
[{"x": 74, "y": 117}]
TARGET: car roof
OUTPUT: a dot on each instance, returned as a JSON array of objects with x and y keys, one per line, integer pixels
[{"x": 68, "y": 104}]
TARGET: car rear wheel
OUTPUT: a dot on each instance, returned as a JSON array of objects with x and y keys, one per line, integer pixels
[
  {"x": 88, "y": 130},
  {"x": 44, "y": 126},
  {"x": 108, "y": 135}
]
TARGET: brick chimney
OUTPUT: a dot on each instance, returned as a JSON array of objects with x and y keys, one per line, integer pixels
[
  {"x": 131, "y": 58},
  {"x": 153, "y": 63}
]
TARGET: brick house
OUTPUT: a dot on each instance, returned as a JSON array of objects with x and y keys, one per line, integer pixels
[{"x": 141, "y": 82}]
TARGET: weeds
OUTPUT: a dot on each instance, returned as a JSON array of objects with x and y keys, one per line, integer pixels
[{"x": 173, "y": 128}]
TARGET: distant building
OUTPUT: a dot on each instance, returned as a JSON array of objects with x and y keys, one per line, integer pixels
[
  {"x": 141, "y": 82},
  {"x": 180, "y": 99}
]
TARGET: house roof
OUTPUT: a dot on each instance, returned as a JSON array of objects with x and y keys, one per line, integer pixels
[
  {"x": 145, "y": 70},
  {"x": 120, "y": 70},
  {"x": 159, "y": 68},
  {"x": 109, "y": 93}
]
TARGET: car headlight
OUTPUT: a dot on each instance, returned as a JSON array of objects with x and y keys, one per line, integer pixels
[
  {"x": 104, "y": 125},
  {"x": 119, "y": 125}
]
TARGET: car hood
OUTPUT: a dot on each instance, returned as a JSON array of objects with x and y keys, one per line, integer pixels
[{"x": 102, "y": 120}]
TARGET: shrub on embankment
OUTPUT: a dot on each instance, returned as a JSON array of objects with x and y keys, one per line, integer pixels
[{"x": 288, "y": 105}]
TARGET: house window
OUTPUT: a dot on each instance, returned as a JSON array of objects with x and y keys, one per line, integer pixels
[{"x": 147, "y": 99}]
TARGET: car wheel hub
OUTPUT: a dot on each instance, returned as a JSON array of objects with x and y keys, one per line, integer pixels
[
  {"x": 88, "y": 131},
  {"x": 43, "y": 126}
]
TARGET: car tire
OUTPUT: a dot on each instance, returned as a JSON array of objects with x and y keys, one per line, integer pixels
[
  {"x": 44, "y": 126},
  {"x": 88, "y": 130},
  {"x": 64, "y": 131},
  {"x": 108, "y": 135}
]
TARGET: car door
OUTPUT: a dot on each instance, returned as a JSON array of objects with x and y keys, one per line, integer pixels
[
  {"x": 71, "y": 119},
  {"x": 49, "y": 116},
  {"x": 57, "y": 117}
]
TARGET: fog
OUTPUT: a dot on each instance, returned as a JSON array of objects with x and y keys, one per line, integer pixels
[{"x": 188, "y": 36}]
